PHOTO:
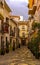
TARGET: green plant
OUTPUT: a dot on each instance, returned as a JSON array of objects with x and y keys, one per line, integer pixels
[
  {"x": 34, "y": 46},
  {"x": 10, "y": 48},
  {"x": 38, "y": 25},
  {"x": 34, "y": 25}
]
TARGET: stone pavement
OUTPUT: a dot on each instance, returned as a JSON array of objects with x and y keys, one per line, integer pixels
[{"x": 21, "y": 56}]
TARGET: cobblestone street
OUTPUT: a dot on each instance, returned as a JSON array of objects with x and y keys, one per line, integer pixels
[{"x": 21, "y": 56}]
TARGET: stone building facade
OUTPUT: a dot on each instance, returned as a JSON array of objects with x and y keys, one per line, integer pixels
[
  {"x": 23, "y": 32},
  {"x": 4, "y": 24},
  {"x": 8, "y": 27}
]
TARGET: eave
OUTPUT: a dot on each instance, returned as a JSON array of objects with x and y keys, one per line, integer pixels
[
  {"x": 22, "y": 23},
  {"x": 13, "y": 21},
  {"x": 6, "y": 6},
  {"x": 13, "y": 17}
]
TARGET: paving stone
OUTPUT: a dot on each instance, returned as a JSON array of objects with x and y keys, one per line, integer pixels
[
  {"x": 21, "y": 56},
  {"x": 22, "y": 64},
  {"x": 12, "y": 64}
]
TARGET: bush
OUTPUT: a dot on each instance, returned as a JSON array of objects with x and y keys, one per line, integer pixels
[
  {"x": 34, "y": 47},
  {"x": 10, "y": 47},
  {"x": 35, "y": 25},
  {"x": 29, "y": 45},
  {"x": 35, "y": 41}
]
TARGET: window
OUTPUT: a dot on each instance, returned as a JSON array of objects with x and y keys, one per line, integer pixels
[
  {"x": 14, "y": 31},
  {"x": 7, "y": 20},
  {"x": 5, "y": 26},
  {"x": 23, "y": 27},
  {"x": 23, "y": 34},
  {"x": 2, "y": 22}
]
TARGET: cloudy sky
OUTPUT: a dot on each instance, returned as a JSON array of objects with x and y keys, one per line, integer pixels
[{"x": 19, "y": 7}]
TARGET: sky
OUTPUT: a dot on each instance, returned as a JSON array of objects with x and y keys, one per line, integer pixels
[{"x": 19, "y": 7}]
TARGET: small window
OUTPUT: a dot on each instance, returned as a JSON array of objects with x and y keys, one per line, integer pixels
[
  {"x": 7, "y": 20},
  {"x": 23, "y": 27},
  {"x": 23, "y": 34}
]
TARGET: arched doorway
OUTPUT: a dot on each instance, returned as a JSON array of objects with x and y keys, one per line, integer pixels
[{"x": 23, "y": 41}]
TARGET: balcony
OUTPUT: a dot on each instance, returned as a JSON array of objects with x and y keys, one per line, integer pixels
[
  {"x": 34, "y": 8},
  {"x": 5, "y": 28},
  {"x": 32, "y": 11}
]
